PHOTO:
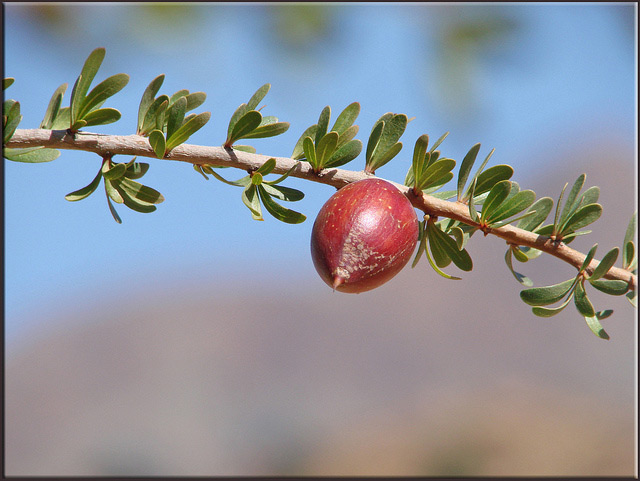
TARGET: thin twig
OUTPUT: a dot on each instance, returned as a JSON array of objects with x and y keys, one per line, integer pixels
[{"x": 219, "y": 156}]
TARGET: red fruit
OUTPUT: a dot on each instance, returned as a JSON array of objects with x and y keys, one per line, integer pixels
[{"x": 363, "y": 236}]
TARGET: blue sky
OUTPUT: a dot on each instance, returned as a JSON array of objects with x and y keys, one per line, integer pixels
[{"x": 562, "y": 72}]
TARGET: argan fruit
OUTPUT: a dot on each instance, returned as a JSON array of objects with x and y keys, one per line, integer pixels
[{"x": 363, "y": 236}]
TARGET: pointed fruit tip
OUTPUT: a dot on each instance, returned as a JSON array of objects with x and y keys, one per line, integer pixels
[{"x": 337, "y": 282}]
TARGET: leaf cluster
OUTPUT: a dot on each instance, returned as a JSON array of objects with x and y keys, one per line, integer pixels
[
  {"x": 256, "y": 191},
  {"x": 383, "y": 142},
  {"x": 428, "y": 171},
  {"x": 574, "y": 288},
  {"x": 163, "y": 119},
  {"x": 121, "y": 187},
  {"x": 248, "y": 123},
  {"x": 444, "y": 242},
  {"x": 324, "y": 148},
  {"x": 85, "y": 107},
  {"x": 578, "y": 211},
  {"x": 11, "y": 118}
]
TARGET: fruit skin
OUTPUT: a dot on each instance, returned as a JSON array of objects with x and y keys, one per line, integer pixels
[{"x": 363, "y": 236}]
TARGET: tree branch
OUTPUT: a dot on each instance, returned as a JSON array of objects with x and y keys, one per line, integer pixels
[{"x": 219, "y": 156}]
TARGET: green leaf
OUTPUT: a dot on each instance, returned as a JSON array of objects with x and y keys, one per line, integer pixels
[
  {"x": 374, "y": 140},
  {"x": 257, "y": 97},
  {"x": 310, "y": 153},
  {"x": 81, "y": 87},
  {"x": 629, "y": 254},
  {"x": 243, "y": 182},
  {"x": 438, "y": 142},
  {"x": 465, "y": 168},
  {"x": 31, "y": 155},
  {"x": 239, "y": 112},
  {"x": 77, "y": 125},
  {"x": 512, "y": 206},
  {"x": 435, "y": 267},
  {"x": 388, "y": 146},
  {"x": 281, "y": 178},
  {"x": 256, "y": 178},
  {"x": 478, "y": 173},
  {"x": 251, "y": 199},
  {"x": 200, "y": 170},
  {"x": 195, "y": 100},
  {"x": 62, "y": 120},
  {"x": 53, "y": 108},
  {"x": 438, "y": 183},
  {"x": 589, "y": 257},
  {"x": 542, "y": 296},
  {"x": 497, "y": 195},
  {"x": 115, "y": 172},
  {"x": 132, "y": 202},
  {"x": 346, "y": 118},
  {"x": 267, "y": 167},
  {"x": 85, "y": 191},
  {"x": 101, "y": 92},
  {"x": 344, "y": 154},
  {"x": 187, "y": 129},
  {"x": 581, "y": 218},
  {"x": 112, "y": 192},
  {"x": 571, "y": 202},
  {"x": 491, "y": 176},
  {"x": 632, "y": 296},
  {"x": 147, "y": 100},
  {"x": 541, "y": 207},
  {"x": 157, "y": 142},
  {"x": 245, "y": 148},
  {"x": 473, "y": 213},
  {"x": 590, "y": 196},
  {"x": 596, "y": 327},
  {"x": 550, "y": 311},
  {"x": 283, "y": 193},
  {"x": 298, "y": 151},
  {"x": 268, "y": 130},
  {"x": 10, "y": 118},
  {"x": 629, "y": 260},
  {"x": 445, "y": 195},
  {"x": 113, "y": 211},
  {"x": 605, "y": 264},
  {"x": 629, "y": 234},
  {"x": 519, "y": 254},
  {"x": 437, "y": 173},
  {"x": 154, "y": 118},
  {"x": 326, "y": 147},
  {"x": 135, "y": 170},
  {"x": 422, "y": 245},
  {"x": 459, "y": 257},
  {"x": 583, "y": 304},
  {"x": 101, "y": 117},
  {"x": 348, "y": 135},
  {"x": 521, "y": 278},
  {"x": 613, "y": 287},
  {"x": 418, "y": 163},
  {"x": 7, "y": 82},
  {"x": 323, "y": 124},
  {"x": 176, "y": 116},
  {"x": 381, "y": 160},
  {"x": 279, "y": 212},
  {"x": 393, "y": 129},
  {"x": 178, "y": 95},
  {"x": 140, "y": 192},
  {"x": 246, "y": 124}
]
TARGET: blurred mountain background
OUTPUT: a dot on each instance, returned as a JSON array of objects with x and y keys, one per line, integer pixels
[{"x": 194, "y": 341}]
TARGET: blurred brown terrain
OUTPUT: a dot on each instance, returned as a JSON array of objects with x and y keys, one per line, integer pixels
[{"x": 423, "y": 376}]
